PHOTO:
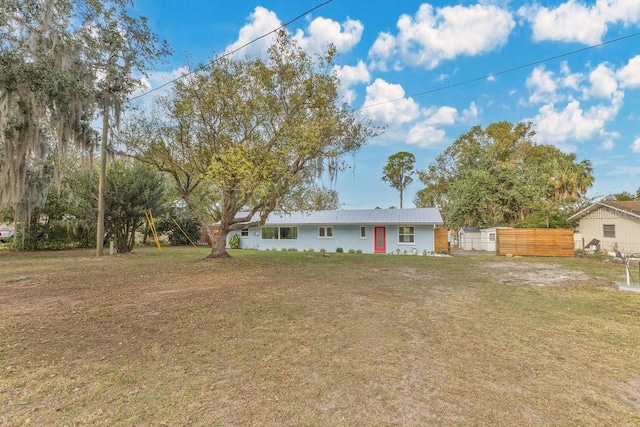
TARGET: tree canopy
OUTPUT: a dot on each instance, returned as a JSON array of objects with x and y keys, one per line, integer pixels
[
  {"x": 61, "y": 60},
  {"x": 240, "y": 136},
  {"x": 498, "y": 176},
  {"x": 399, "y": 171}
]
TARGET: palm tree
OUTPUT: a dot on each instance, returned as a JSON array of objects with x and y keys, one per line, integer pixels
[{"x": 571, "y": 179}]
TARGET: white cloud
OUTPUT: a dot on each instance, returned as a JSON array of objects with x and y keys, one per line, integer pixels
[
  {"x": 424, "y": 135},
  {"x": 441, "y": 116},
  {"x": 636, "y": 145},
  {"x": 261, "y": 22},
  {"x": 574, "y": 123},
  {"x": 349, "y": 76},
  {"x": 607, "y": 145},
  {"x": 574, "y": 21},
  {"x": 378, "y": 104},
  {"x": 432, "y": 36},
  {"x": 319, "y": 34},
  {"x": 629, "y": 75},
  {"x": 543, "y": 86},
  {"x": 382, "y": 51},
  {"x": 470, "y": 114},
  {"x": 603, "y": 82},
  {"x": 324, "y": 31}
]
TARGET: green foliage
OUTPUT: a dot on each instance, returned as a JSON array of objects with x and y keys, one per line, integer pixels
[
  {"x": 132, "y": 188},
  {"x": 311, "y": 198},
  {"x": 241, "y": 136},
  {"x": 399, "y": 171},
  {"x": 60, "y": 60},
  {"x": 624, "y": 196},
  {"x": 234, "y": 241},
  {"x": 339, "y": 250},
  {"x": 177, "y": 222},
  {"x": 498, "y": 176}
]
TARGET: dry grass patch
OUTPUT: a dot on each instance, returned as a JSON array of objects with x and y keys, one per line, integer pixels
[{"x": 279, "y": 338}]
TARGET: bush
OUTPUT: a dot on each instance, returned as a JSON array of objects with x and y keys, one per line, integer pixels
[
  {"x": 352, "y": 251},
  {"x": 234, "y": 241},
  {"x": 358, "y": 251},
  {"x": 292, "y": 250},
  {"x": 323, "y": 250},
  {"x": 339, "y": 250},
  {"x": 310, "y": 250}
]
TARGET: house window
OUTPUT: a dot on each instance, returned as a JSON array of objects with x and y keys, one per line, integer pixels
[
  {"x": 363, "y": 232},
  {"x": 289, "y": 233},
  {"x": 406, "y": 234},
  {"x": 325, "y": 232},
  {"x": 609, "y": 230},
  {"x": 492, "y": 237},
  {"x": 270, "y": 233},
  {"x": 282, "y": 233},
  {"x": 244, "y": 232}
]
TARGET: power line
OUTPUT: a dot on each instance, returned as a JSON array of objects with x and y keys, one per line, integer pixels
[
  {"x": 508, "y": 70},
  {"x": 210, "y": 63}
]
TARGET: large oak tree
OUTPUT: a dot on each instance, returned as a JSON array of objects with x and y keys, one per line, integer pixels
[
  {"x": 499, "y": 176},
  {"x": 239, "y": 137}
]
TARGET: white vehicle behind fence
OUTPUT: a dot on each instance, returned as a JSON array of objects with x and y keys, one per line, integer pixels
[{"x": 6, "y": 235}]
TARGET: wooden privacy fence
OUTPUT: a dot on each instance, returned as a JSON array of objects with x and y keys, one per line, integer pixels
[
  {"x": 535, "y": 242},
  {"x": 441, "y": 243}
]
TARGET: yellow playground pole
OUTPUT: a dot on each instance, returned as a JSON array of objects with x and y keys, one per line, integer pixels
[{"x": 152, "y": 226}]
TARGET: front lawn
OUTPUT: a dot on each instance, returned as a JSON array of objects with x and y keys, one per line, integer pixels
[{"x": 296, "y": 338}]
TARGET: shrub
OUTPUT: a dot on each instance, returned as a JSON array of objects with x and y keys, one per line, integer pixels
[
  {"x": 358, "y": 251},
  {"x": 352, "y": 251},
  {"x": 292, "y": 250},
  {"x": 234, "y": 241},
  {"x": 339, "y": 250},
  {"x": 310, "y": 250},
  {"x": 323, "y": 250},
  {"x": 283, "y": 249}
]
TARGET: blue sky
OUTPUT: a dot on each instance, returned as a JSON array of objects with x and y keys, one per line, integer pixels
[{"x": 587, "y": 102}]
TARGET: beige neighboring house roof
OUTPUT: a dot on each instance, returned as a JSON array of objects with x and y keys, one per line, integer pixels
[{"x": 631, "y": 207}]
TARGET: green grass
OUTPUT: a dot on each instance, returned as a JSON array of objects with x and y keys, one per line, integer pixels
[{"x": 295, "y": 338}]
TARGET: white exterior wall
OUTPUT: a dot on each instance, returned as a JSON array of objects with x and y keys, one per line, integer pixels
[
  {"x": 486, "y": 243},
  {"x": 627, "y": 230},
  {"x": 344, "y": 236},
  {"x": 469, "y": 240}
]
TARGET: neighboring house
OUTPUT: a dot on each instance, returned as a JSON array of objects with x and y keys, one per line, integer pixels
[
  {"x": 615, "y": 224},
  {"x": 370, "y": 231},
  {"x": 469, "y": 238}
]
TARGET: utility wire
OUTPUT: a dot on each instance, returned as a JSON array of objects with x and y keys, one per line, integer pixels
[
  {"x": 213, "y": 61},
  {"x": 509, "y": 70}
]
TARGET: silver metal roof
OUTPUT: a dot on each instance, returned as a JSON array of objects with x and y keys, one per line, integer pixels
[{"x": 360, "y": 217}]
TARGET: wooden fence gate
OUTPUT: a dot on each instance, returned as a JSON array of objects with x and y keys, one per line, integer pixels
[
  {"x": 535, "y": 242},
  {"x": 441, "y": 243}
]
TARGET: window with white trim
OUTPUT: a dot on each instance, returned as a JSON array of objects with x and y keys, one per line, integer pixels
[
  {"x": 244, "y": 232},
  {"x": 406, "y": 234},
  {"x": 279, "y": 233},
  {"x": 363, "y": 232},
  {"x": 325, "y": 232},
  {"x": 288, "y": 233},
  {"x": 609, "y": 230}
]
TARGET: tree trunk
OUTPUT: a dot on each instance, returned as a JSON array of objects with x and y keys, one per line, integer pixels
[
  {"x": 400, "y": 198},
  {"x": 218, "y": 244},
  {"x": 102, "y": 181}
]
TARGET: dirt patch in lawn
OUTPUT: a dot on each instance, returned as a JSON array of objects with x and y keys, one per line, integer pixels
[{"x": 533, "y": 274}]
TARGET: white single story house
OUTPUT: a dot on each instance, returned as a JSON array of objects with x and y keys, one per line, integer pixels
[
  {"x": 469, "y": 238},
  {"x": 614, "y": 224},
  {"x": 370, "y": 231}
]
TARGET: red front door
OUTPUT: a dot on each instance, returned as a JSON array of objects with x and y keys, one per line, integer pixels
[{"x": 380, "y": 240}]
